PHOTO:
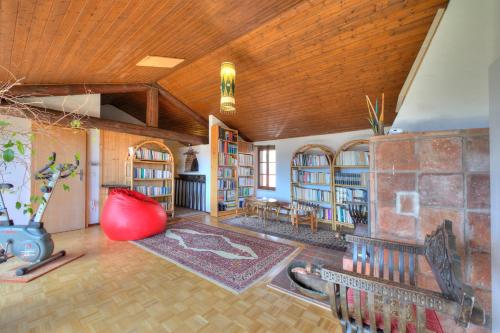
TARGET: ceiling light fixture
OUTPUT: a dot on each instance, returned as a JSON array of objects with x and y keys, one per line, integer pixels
[
  {"x": 227, "y": 84},
  {"x": 163, "y": 62}
]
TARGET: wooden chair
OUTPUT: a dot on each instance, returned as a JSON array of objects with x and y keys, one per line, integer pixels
[
  {"x": 387, "y": 287},
  {"x": 303, "y": 214}
]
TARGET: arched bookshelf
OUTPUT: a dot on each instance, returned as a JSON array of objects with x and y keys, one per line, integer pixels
[
  {"x": 351, "y": 181},
  {"x": 311, "y": 180},
  {"x": 151, "y": 172}
]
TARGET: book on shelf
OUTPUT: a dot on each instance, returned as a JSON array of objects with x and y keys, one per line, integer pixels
[
  {"x": 228, "y": 147},
  {"x": 244, "y": 159},
  {"x": 353, "y": 157},
  {"x": 312, "y": 160},
  {"x": 344, "y": 194},
  {"x": 323, "y": 213},
  {"x": 145, "y": 173},
  {"x": 245, "y": 147},
  {"x": 301, "y": 176},
  {"x": 228, "y": 135},
  {"x": 223, "y": 206},
  {"x": 245, "y": 181},
  {"x": 167, "y": 205},
  {"x": 226, "y": 172},
  {"x": 153, "y": 190},
  {"x": 245, "y": 171},
  {"x": 245, "y": 192},
  {"x": 354, "y": 179},
  {"x": 342, "y": 215},
  {"x": 149, "y": 154},
  {"x": 226, "y": 184},
  {"x": 225, "y": 159},
  {"x": 311, "y": 194},
  {"x": 226, "y": 195}
]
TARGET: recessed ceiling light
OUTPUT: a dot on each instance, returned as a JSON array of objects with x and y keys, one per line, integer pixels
[{"x": 155, "y": 61}]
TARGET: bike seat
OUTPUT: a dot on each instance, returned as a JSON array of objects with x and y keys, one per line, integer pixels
[{"x": 5, "y": 186}]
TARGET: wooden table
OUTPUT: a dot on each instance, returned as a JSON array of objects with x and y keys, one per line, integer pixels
[{"x": 264, "y": 207}]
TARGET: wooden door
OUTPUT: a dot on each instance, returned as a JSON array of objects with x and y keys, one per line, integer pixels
[{"x": 66, "y": 209}]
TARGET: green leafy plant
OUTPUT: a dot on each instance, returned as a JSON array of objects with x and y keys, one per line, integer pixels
[{"x": 16, "y": 144}]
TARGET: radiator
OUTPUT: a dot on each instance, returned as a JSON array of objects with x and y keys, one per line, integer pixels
[{"x": 190, "y": 191}]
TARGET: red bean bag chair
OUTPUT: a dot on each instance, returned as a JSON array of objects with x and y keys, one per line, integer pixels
[{"x": 130, "y": 215}]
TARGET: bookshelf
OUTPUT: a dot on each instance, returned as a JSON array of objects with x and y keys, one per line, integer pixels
[
  {"x": 150, "y": 170},
  {"x": 311, "y": 180},
  {"x": 350, "y": 181},
  {"x": 224, "y": 171},
  {"x": 246, "y": 171}
]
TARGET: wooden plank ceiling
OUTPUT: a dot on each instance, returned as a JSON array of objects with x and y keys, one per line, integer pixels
[{"x": 303, "y": 67}]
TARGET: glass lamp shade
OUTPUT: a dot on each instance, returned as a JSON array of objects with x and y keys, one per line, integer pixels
[{"x": 227, "y": 84}]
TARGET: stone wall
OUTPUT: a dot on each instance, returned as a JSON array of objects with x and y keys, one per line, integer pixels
[{"x": 420, "y": 179}]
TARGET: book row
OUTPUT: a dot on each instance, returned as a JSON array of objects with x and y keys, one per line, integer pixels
[
  {"x": 310, "y": 160},
  {"x": 245, "y": 181},
  {"x": 228, "y": 148},
  {"x": 245, "y": 171},
  {"x": 343, "y": 194},
  {"x": 226, "y": 184},
  {"x": 225, "y": 159},
  {"x": 311, "y": 194},
  {"x": 356, "y": 179},
  {"x": 167, "y": 205},
  {"x": 153, "y": 190},
  {"x": 245, "y": 159},
  {"x": 300, "y": 176},
  {"x": 245, "y": 191},
  {"x": 342, "y": 214},
  {"x": 227, "y": 135},
  {"x": 225, "y": 172},
  {"x": 144, "y": 173},
  {"x": 148, "y": 154},
  {"x": 353, "y": 157},
  {"x": 226, "y": 195},
  {"x": 223, "y": 206}
]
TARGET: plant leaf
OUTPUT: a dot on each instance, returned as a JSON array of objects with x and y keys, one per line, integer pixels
[
  {"x": 8, "y": 155},
  {"x": 9, "y": 144},
  {"x": 65, "y": 187},
  {"x": 18, "y": 205},
  {"x": 4, "y": 123},
  {"x": 20, "y": 147}
]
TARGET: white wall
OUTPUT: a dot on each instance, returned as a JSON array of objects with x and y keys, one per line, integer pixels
[
  {"x": 284, "y": 152},
  {"x": 203, "y": 157},
  {"x": 89, "y": 104},
  {"x": 495, "y": 188},
  {"x": 17, "y": 172},
  {"x": 450, "y": 90}
]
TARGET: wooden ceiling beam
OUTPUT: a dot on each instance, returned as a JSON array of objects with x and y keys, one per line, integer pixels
[
  {"x": 75, "y": 89},
  {"x": 48, "y": 116},
  {"x": 152, "y": 107}
]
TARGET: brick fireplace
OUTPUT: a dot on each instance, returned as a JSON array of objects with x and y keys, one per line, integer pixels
[{"x": 420, "y": 179}]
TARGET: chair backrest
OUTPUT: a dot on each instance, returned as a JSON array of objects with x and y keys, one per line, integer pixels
[{"x": 388, "y": 260}]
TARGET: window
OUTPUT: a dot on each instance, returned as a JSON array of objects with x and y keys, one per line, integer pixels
[{"x": 267, "y": 167}]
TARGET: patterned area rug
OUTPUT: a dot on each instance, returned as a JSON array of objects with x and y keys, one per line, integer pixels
[
  {"x": 322, "y": 238},
  {"x": 231, "y": 260}
]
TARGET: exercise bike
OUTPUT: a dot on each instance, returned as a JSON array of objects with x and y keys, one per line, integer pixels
[{"x": 32, "y": 243}]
